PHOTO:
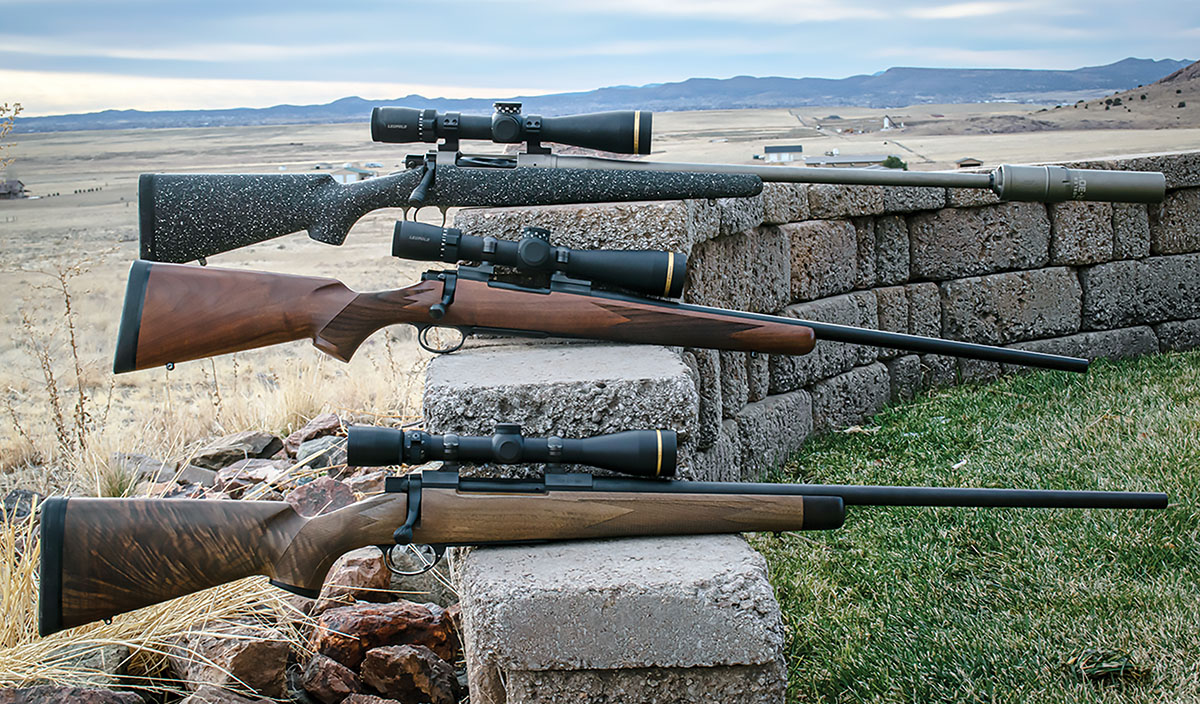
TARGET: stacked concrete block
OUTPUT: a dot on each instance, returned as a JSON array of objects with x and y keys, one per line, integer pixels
[
  {"x": 1131, "y": 231},
  {"x": 672, "y": 225},
  {"x": 891, "y": 250},
  {"x": 864, "y": 233},
  {"x": 784, "y": 203},
  {"x": 743, "y": 271},
  {"x": 739, "y": 214},
  {"x": 908, "y": 199},
  {"x": 1100, "y": 344},
  {"x": 1136, "y": 292},
  {"x": 849, "y": 398},
  {"x": 950, "y": 243},
  {"x": 1081, "y": 232},
  {"x": 771, "y": 430},
  {"x": 662, "y": 619},
  {"x": 860, "y": 309},
  {"x": 828, "y": 201},
  {"x": 1009, "y": 307},
  {"x": 824, "y": 258},
  {"x": 1175, "y": 225},
  {"x": 1178, "y": 335},
  {"x": 572, "y": 390}
]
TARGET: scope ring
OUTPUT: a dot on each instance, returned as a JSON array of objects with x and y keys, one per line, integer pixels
[
  {"x": 432, "y": 347},
  {"x": 427, "y": 555}
]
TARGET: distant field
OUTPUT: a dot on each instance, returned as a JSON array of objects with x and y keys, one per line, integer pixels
[{"x": 98, "y": 227}]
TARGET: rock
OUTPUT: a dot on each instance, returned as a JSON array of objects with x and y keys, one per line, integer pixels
[
  {"x": 227, "y": 450},
  {"x": 432, "y": 586},
  {"x": 238, "y": 655},
  {"x": 144, "y": 468},
  {"x": 411, "y": 673},
  {"x": 109, "y": 662},
  {"x": 326, "y": 451},
  {"x": 328, "y": 680},
  {"x": 359, "y": 575},
  {"x": 322, "y": 425},
  {"x": 348, "y": 632},
  {"x": 55, "y": 694},
  {"x": 322, "y": 495},
  {"x": 243, "y": 474},
  {"x": 186, "y": 491},
  {"x": 209, "y": 694},
  {"x": 368, "y": 699},
  {"x": 367, "y": 482},
  {"x": 18, "y": 504}
]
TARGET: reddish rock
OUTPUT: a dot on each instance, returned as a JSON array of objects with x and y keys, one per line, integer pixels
[
  {"x": 367, "y": 482},
  {"x": 359, "y": 575},
  {"x": 209, "y": 694},
  {"x": 243, "y": 474},
  {"x": 322, "y": 425},
  {"x": 348, "y": 632},
  {"x": 368, "y": 699},
  {"x": 237, "y": 656},
  {"x": 231, "y": 448},
  {"x": 53, "y": 694},
  {"x": 321, "y": 495},
  {"x": 328, "y": 680},
  {"x": 410, "y": 673}
]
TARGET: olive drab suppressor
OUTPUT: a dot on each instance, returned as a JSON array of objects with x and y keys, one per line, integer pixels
[
  {"x": 186, "y": 217},
  {"x": 102, "y": 557}
]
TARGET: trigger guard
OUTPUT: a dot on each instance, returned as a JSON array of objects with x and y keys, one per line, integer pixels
[{"x": 423, "y": 338}]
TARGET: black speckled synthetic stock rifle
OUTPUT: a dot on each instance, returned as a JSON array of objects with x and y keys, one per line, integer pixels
[{"x": 186, "y": 217}]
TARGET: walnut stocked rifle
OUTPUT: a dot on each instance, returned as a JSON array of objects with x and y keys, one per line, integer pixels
[
  {"x": 185, "y": 217},
  {"x": 102, "y": 557},
  {"x": 175, "y": 312}
]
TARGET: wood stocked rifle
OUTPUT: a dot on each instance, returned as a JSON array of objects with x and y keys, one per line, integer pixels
[
  {"x": 185, "y": 217},
  {"x": 102, "y": 557},
  {"x": 176, "y": 312}
]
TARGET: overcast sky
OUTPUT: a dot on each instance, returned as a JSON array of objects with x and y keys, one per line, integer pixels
[{"x": 61, "y": 56}]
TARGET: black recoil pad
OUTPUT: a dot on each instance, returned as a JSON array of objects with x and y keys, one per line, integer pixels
[
  {"x": 647, "y": 453},
  {"x": 646, "y": 271}
]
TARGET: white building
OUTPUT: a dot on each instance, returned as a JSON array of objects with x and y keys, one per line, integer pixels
[{"x": 789, "y": 152}]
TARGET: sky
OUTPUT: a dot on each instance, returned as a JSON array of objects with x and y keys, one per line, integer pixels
[{"x": 65, "y": 56}]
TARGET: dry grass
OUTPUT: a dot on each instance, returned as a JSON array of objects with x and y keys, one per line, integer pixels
[{"x": 27, "y": 659}]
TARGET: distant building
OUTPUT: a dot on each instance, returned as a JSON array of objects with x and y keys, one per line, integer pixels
[
  {"x": 968, "y": 162},
  {"x": 322, "y": 165},
  {"x": 890, "y": 124},
  {"x": 845, "y": 160},
  {"x": 788, "y": 152},
  {"x": 351, "y": 174},
  {"x": 11, "y": 189}
]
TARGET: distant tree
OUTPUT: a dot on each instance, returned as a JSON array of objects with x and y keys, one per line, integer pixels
[
  {"x": 1143, "y": 96},
  {"x": 7, "y": 114},
  {"x": 894, "y": 162},
  {"x": 1182, "y": 104}
]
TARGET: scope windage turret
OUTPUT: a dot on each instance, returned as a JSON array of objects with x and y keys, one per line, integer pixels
[
  {"x": 622, "y": 131},
  {"x": 646, "y": 453},
  {"x": 646, "y": 271}
]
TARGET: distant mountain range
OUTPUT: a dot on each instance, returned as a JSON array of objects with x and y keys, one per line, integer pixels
[{"x": 895, "y": 87}]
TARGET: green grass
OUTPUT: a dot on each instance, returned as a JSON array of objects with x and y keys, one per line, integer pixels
[{"x": 941, "y": 604}]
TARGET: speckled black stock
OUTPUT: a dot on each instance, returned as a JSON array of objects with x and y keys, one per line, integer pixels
[{"x": 191, "y": 216}]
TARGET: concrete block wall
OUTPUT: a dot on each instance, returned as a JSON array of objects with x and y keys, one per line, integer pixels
[{"x": 1092, "y": 280}]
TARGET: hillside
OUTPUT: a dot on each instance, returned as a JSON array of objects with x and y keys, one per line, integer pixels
[
  {"x": 1173, "y": 101},
  {"x": 891, "y": 88}
]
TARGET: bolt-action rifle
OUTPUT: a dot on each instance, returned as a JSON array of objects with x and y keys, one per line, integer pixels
[
  {"x": 102, "y": 557},
  {"x": 185, "y": 217},
  {"x": 176, "y": 312}
]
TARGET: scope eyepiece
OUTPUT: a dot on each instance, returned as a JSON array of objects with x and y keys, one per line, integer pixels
[
  {"x": 646, "y": 271},
  {"x": 621, "y": 131},
  {"x": 645, "y": 453}
]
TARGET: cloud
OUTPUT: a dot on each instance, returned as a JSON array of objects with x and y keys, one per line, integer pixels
[
  {"x": 962, "y": 10},
  {"x": 982, "y": 58},
  {"x": 53, "y": 93},
  {"x": 764, "y": 11}
]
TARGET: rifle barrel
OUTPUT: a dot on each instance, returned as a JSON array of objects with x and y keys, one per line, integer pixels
[{"x": 1012, "y": 498}]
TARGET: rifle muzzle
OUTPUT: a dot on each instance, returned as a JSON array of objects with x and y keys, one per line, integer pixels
[{"x": 1055, "y": 184}]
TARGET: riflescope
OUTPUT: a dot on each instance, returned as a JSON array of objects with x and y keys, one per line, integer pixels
[
  {"x": 645, "y": 271},
  {"x": 646, "y": 453},
  {"x": 620, "y": 131}
]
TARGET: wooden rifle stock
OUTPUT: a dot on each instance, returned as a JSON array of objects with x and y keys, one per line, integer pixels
[
  {"x": 102, "y": 557},
  {"x": 175, "y": 313}
]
